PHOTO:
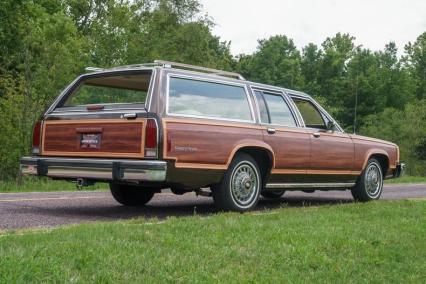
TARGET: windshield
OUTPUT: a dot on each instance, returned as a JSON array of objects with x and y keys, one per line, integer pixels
[{"x": 118, "y": 89}]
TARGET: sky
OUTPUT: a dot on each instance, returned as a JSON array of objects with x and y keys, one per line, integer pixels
[{"x": 373, "y": 22}]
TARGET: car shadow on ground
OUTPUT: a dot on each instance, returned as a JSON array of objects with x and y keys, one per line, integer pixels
[{"x": 164, "y": 208}]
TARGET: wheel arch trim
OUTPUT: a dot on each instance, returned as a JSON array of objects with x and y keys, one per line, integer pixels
[
  {"x": 252, "y": 144},
  {"x": 376, "y": 152}
]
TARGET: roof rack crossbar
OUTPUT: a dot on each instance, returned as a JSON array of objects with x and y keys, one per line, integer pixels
[{"x": 171, "y": 64}]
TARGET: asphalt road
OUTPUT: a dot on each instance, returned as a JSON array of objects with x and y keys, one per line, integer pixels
[{"x": 29, "y": 210}]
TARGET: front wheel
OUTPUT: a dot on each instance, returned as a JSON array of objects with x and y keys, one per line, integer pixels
[
  {"x": 370, "y": 184},
  {"x": 240, "y": 187},
  {"x": 130, "y": 195}
]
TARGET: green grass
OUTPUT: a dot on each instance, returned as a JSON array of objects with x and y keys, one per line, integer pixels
[
  {"x": 29, "y": 184},
  {"x": 378, "y": 242},
  {"x": 406, "y": 179}
]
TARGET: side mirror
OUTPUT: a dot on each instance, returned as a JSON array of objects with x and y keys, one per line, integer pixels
[{"x": 331, "y": 126}]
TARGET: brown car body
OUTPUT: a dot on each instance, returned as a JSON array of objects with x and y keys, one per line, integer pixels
[{"x": 193, "y": 151}]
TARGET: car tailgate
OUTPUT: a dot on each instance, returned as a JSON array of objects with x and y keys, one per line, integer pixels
[{"x": 94, "y": 138}]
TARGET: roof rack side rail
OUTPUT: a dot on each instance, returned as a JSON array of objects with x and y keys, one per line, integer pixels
[
  {"x": 170, "y": 64},
  {"x": 132, "y": 66},
  {"x": 93, "y": 69}
]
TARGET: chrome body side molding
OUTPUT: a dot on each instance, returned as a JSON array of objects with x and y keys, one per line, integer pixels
[{"x": 272, "y": 186}]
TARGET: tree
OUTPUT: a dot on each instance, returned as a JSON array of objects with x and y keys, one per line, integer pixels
[
  {"x": 45, "y": 44},
  {"x": 406, "y": 128},
  {"x": 416, "y": 62},
  {"x": 276, "y": 62},
  {"x": 310, "y": 68}
]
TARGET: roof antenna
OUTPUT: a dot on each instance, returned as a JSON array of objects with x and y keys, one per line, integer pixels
[{"x": 356, "y": 101}]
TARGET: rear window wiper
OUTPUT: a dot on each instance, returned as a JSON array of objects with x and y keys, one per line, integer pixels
[{"x": 94, "y": 107}]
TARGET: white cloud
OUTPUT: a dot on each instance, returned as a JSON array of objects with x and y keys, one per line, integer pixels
[{"x": 374, "y": 23}]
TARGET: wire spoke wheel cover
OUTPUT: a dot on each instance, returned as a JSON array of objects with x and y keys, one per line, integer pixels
[
  {"x": 370, "y": 183},
  {"x": 373, "y": 180},
  {"x": 244, "y": 184}
]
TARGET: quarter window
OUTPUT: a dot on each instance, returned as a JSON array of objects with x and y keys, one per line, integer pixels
[
  {"x": 310, "y": 114},
  {"x": 207, "y": 99},
  {"x": 279, "y": 111}
]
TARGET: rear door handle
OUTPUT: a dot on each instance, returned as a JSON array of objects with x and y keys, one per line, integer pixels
[
  {"x": 316, "y": 134},
  {"x": 271, "y": 130}
]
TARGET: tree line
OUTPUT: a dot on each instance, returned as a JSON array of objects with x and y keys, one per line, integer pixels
[{"x": 45, "y": 44}]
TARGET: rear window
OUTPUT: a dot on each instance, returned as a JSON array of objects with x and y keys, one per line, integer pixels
[
  {"x": 208, "y": 99},
  {"x": 119, "y": 89}
]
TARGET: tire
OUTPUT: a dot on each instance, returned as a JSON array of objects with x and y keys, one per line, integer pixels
[
  {"x": 276, "y": 194},
  {"x": 130, "y": 195},
  {"x": 240, "y": 187},
  {"x": 370, "y": 184}
]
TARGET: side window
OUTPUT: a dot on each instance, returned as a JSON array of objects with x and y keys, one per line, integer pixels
[
  {"x": 207, "y": 99},
  {"x": 264, "y": 116},
  {"x": 310, "y": 114},
  {"x": 279, "y": 111}
]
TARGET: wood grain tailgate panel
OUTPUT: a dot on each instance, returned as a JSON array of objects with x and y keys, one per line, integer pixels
[{"x": 118, "y": 137}]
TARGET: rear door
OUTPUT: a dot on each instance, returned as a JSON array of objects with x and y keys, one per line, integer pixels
[
  {"x": 290, "y": 143},
  {"x": 102, "y": 115}
]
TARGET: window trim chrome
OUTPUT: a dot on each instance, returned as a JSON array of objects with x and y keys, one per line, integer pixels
[
  {"x": 209, "y": 80},
  {"x": 65, "y": 92},
  {"x": 151, "y": 90},
  {"x": 286, "y": 100},
  {"x": 320, "y": 109}
]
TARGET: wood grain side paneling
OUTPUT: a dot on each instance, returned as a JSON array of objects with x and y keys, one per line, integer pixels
[
  {"x": 291, "y": 147},
  {"x": 332, "y": 152},
  {"x": 194, "y": 143},
  {"x": 366, "y": 147}
]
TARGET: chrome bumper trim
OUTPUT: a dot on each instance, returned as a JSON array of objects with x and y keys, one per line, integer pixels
[
  {"x": 399, "y": 170},
  {"x": 100, "y": 169}
]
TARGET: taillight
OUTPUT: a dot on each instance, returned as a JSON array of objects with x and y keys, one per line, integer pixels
[
  {"x": 151, "y": 138},
  {"x": 36, "y": 137}
]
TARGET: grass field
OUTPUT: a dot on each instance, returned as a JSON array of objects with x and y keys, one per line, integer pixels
[
  {"x": 44, "y": 184},
  {"x": 378, "y": 242},
  {"x": 406, "y": 179}
]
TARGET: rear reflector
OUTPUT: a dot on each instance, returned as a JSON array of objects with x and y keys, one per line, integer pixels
[
  {"x": 36, "y": 137},
  {"x": 151, "y": 133}
]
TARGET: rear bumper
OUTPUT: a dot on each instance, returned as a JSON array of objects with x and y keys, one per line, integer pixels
[
  {"x": 399, "y": 170},
  {"x": 96, "y": 169}
]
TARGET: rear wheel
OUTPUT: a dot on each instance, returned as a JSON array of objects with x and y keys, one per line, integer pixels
[
  {"x": 276, "y": 194},
  {"x": 240, "y": 186},
  {"x": 370, "y": 184},
  {"x": 130, "y": 195}
]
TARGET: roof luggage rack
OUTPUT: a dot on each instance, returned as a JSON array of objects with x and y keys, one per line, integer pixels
[{"x": 170, "y": 64}]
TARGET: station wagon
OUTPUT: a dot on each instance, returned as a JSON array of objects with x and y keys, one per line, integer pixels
[{"x": 149, "y": 127}]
